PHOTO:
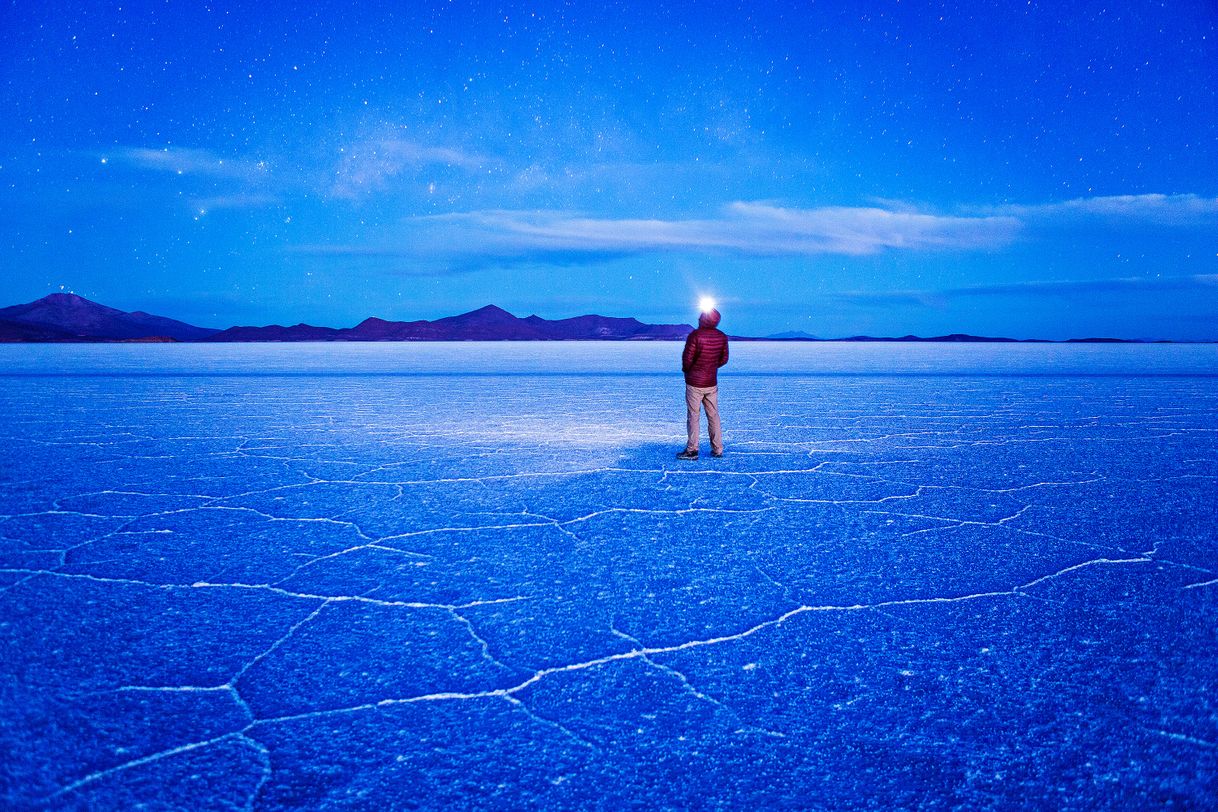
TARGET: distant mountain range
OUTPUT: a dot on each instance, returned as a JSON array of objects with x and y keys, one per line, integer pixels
[
  {"x": 488, "y": 323},
  {"x": 66, "y": 317}
]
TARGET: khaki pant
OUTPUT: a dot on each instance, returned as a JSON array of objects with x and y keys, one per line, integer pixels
[{"x": 697, "y": 398}]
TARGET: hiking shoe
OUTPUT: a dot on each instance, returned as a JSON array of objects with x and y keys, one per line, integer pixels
[{"x": 688, "y": 455}]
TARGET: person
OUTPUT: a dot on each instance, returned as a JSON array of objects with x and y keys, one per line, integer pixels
[{"x": 705, "y": 351}]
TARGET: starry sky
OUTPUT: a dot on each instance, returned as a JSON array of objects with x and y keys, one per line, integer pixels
[{"x": 1027, "y": 169}]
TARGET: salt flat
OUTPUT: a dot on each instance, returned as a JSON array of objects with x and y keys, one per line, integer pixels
[{"x": 474, "y": 576}]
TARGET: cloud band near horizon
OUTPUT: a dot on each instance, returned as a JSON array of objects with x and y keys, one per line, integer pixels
[
  {"x": 1200, "y": 283},
  {"x": 746, "y": 228},
  {"x": 761, "y": 229}
]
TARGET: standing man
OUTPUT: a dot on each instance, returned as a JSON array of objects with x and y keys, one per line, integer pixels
[{"x": 705, "y": 352}]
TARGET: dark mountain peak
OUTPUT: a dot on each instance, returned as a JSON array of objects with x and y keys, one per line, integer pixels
[
  {"x": 485, "y": 323},
  {"x": 490, "y": 314},
  {"x": 57, "y": 305},
  {"x": 378, "y": 329},
  {"x": 490, "y": 310},
  {"x": 69, "y": 300},
  {"x": 81, "y": 319},
  {"x": 372, "y": 321}
]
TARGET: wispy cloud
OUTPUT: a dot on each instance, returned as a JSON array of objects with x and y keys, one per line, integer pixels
[
  {"x": 416, "y": 259},
  {"x": 186, "y": 161},
  {"x": 1038, "y": 288},
  {"x": 218, "y": 182},
  {"x": 758, "y": 229},
  {"x": 754, "y": 229},
  {"x": 894, "y": 298},
  {"x": 1123, "y": 284},
  {"x": 251, "y": 200},
  {"x": 1181, "y": 209},
  {"x": 370, "y": 166},
  {"x": 463, "y": 241}
]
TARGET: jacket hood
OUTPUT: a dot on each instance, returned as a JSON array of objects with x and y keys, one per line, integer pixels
[{"x": 709, "y": 319}]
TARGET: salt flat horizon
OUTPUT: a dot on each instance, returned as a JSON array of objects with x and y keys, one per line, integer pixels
[
  {"x": 475, "y": 576},
  {"x": 623, "y": 358}
]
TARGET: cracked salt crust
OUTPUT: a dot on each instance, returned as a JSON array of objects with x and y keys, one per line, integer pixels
[{"x": 703, "y": 576}]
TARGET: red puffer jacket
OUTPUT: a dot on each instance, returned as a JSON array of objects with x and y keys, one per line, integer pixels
[{"x": 705, "y": 352}]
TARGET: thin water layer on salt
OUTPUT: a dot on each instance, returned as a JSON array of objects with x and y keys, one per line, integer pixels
[
  {"x": 604, "y": 358},
  {"x": 281, "y": 578}
]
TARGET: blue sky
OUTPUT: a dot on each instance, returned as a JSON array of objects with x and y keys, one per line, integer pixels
[{"x": 1003, "y": 168}]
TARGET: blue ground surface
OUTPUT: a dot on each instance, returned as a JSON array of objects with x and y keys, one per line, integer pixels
[{"x": 440, "y": 587}]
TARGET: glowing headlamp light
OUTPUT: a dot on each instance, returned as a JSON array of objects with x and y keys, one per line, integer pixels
[{"x": 706, "y": 304}]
